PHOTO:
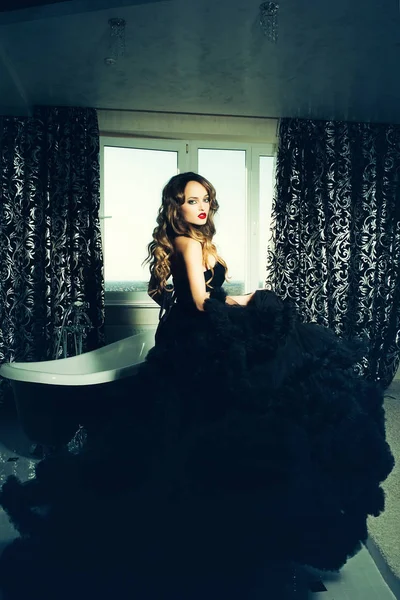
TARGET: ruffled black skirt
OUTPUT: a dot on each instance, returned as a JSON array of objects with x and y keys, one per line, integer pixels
[{"x": 248, "y": 441}]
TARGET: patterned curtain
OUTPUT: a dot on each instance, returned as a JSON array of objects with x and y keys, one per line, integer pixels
[
  {"x": 335, "y": 249},
  {"x": 50, "y": 246}
]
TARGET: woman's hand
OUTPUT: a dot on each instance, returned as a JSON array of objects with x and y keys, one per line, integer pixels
[
  {"x": 241, "y": 300},
  {"x": 249, "y": 297}
]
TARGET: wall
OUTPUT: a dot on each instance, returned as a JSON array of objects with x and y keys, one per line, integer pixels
[
  {"x": 186, "y": 126},
  {"x": 125, "y": 320}
]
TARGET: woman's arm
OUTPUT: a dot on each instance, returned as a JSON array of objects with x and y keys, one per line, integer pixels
[
  {"x": 241, "y": 300},
  {"x": 192, "y": 255},
  {"x": 191, "y": 252}
]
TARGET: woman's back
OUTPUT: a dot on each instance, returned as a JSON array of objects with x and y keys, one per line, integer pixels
[{"x": 214, "y": 278}]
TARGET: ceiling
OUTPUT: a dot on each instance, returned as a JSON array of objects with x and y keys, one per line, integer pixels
[
  {"x": 13, "y": 5},
  {"x": 333, "y": 60}
]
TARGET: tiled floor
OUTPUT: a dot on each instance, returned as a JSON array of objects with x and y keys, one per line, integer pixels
[{"x": 358, "y": 580}]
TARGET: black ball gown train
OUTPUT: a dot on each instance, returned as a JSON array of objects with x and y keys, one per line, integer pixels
[{"x": 246, "y": 440}]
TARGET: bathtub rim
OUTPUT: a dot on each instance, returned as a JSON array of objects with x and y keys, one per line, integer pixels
[
  {"x": 35, "y": 372},
  {"x": 10, "y": 372}
]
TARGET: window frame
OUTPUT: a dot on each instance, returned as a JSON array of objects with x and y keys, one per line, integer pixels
[{"x": 187, "y": 160}]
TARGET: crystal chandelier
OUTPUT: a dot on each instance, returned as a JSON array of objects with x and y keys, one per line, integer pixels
[
  {"x": 116, "y": 41},
  {"x": 269, "y": 20}
]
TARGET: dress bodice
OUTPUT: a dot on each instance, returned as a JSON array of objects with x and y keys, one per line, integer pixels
[{"x": 212, "y": 279}]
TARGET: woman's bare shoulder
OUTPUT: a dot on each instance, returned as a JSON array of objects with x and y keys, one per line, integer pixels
[{"x": 183, "y": 243}]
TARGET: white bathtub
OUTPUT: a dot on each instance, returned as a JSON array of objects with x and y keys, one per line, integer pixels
[
  {"x": 112, "y": 362},
  {"x": 54, "y": 397}
]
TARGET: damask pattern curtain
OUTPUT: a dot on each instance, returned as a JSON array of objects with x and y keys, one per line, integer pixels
[
  {"x": 50, "y": 245},
  {"x": 335, "y": 249}
]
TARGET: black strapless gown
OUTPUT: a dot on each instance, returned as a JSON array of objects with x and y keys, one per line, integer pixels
[
  {"x": 246, "y": 440},
  {"x": 183, "y": 317}
]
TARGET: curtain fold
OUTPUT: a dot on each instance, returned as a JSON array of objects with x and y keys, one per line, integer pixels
[
  {"x": 50, "y": 243},
  {"x": 335, "y": 248}
]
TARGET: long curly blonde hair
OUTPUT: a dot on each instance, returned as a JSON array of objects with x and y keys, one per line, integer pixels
[{"x": 170, "y": 223}]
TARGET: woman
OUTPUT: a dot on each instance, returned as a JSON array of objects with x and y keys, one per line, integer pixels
[
  {"x": 183, "y": 247},
  {"x": 247, "y": 443}
]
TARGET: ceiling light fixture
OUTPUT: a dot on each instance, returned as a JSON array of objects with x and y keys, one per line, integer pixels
[
  {"x": 269, "y": 20},
  {"x": 116, "y": 41}
]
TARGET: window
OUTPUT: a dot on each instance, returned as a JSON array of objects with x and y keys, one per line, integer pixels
[
  {"x": 226, "y": 169},
  {"x": 134, "y": 172},
  {"x": 266, "y": 190}
]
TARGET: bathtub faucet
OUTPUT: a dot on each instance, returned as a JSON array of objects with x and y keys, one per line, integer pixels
[{"x": 76, "y": 323}]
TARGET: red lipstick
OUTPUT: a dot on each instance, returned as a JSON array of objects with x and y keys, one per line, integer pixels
[{"x": 202, "y": 215}]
